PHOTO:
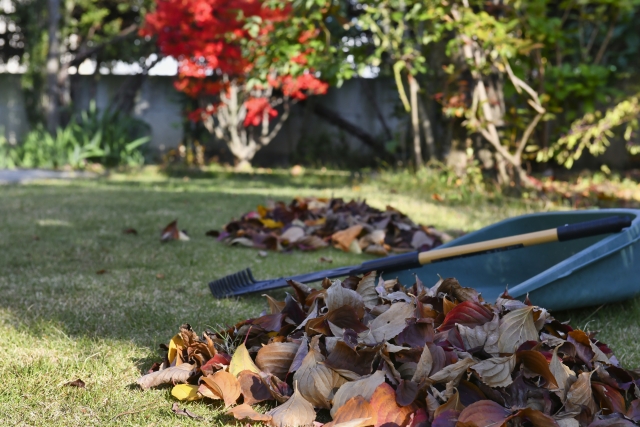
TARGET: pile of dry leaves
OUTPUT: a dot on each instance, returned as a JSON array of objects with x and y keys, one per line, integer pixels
[
  {"x": 313, "y": 223},
  {"x": 373, "y": 353}
]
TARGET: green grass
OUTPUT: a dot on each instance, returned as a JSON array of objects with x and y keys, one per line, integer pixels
[{"x": 59, "y": 320}]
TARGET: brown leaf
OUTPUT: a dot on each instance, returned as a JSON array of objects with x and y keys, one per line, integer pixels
[
  {"x": 453, "y": 373},
  {"x": 316, "y": 381},
  {"x": 252, "y": 388},
  {"x": 424, "y": 366},
  {"x": 343, "y": 357},
  {"x": 276, "y": 358},
  {"x": 130, "y": 231},
  {"x": 171, "y": 232},
  {"x": 496, "y": 372},
  {"x": 516, "y": 327},
  {"x": 468, "y": 313},
  {"x": 241, "y": 361},
  {"x": 275, "y": 307},
  {"x": 559, "y": 371},
  {"x": 537, "y": 363},
  {"x": 224, "y": 385},
  {"x": 363, "y": 387},
  {"x": 184, "y": 412},
  {"x": 484, "y": 336},
  {"x": 76, "y": 383},
  {"x": 388, "y": 324},
  {"x": 328, "y": 260},
  {"x": 536, "y": 418},
  {"x": 388, "y": 413},
  {"x": 451, "y": 286},
  {"x": 245, "y": 411},
  {"x": 357, "y": 408},
  {"x": 173, "y": 375},
  {"x": 367, "y": 289},
  {"x": 634, "y": 410},
  {"x": 343, "y": 239},
  {"x": 103, "y": 271},
  {"x": 295, "y": 412},
  {"x": 339, "y": 296},
  {"x": 580, "y": 395},
  {"x": 484, "y": 413},
  {"x": 452, "y": 404}
]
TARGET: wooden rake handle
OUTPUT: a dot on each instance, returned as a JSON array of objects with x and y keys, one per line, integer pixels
[{"x": 566, "y": 232}]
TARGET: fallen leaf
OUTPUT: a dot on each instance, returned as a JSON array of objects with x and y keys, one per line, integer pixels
[
  {"x": 224, "y": 385},
  {"x": 357, "y": 408},
  {"x": 130, "y": 231},
  {"x": 338, "y": 296},
  {"x": 262, "y": 254},
  {"x": 244, "y": 411},
  {"x": 292, "y": 234},
  {"x": 496, "y": 372},
  {"x": 424, "y": 366},
  {"x": 609, "y": 399},
  {"x": 388, "y": 324},
  {"x": 536, "y": 418},
  {"x": 364, "y": 387},
  {"x": 468, "y": 313},
  {"x": 580, "y": 395},
  {"x": 367, "y": 289},
  {"x": 295, "y": 412},
  {"x": 560, "y": 371},
  {"x": 484, "y": 336},
  {"x": 184, "y": 412},
  {"x": 316, "y": 381},
  {"x": 76, "y": 383},
  {"x": 159, "y": 276},
  {"x": 453, "y": 373},
  {"x": 484, "y": 413},
  {"x": 173, "y": 375},
  {"x": 185, "y": 392},
  {"x": 516, "y": 327},
  {"x": 276, "y": 358},
  {"x": 406, "y": 392},
  {"x": 343, "y": 239},
  {"x": 103, "y": 271},
  {"x": 325, "y": 259},
  {"x": 241, "y": 361},
  {"x": 537, "y": 363},
  {"x": 388, "y": 413},
  {"x": 252, "y": 388},
  {"x": 171, "y": 232}
]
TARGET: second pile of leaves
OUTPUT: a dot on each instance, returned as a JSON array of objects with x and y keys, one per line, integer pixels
[
  {"x": 370, "y": 352},
  {"x": 312, "y": 223}
]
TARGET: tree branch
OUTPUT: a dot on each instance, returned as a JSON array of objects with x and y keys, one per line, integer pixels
[
  {"x": 336, "y": 120},
  {"x": 88, "y": 53}
]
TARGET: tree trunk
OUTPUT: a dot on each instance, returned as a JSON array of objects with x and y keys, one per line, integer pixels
[
  {"x": 51, "y": 101},
  {"x": 415, "y": 122},
  {"x": 427, "y": 129}
]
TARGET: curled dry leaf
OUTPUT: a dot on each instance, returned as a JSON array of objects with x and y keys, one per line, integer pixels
[
  {"x": 424, "y": 366},
  {"x": 537, "y": 363},
  {"x": 367, "y": 289},
  {"x": 339, "y": 296},
  {"x": 535, "y": 418},
  {"x": 295, "y": 412},
  {"x": 388, "y": 413},
  {"x": 344, "y": 238},
  {"x": 184, "y": 412},
  {"x": 496, "y": 372},
  {"x": 246, "y": 412},
  {"x": 356, "y": 408},
  {"x": 363, "y": 387},
  {"x": 185, "y": 392},
  {"x": 580, "y": 395},
  {"x": 276, "y": 358},
  {"x": 516, "y": 327},
  {"x": 388, "y": 324},
  {"x": 76, "y": 383},
  {"x": 482, "y": 337},
  {"x": 453, "y": 373},
  {"x": 316, "y": 381},
  {"x": 468, "y": 313},
  {"x": 224, "y": 386},
  {"x": 173, "y": 375}
]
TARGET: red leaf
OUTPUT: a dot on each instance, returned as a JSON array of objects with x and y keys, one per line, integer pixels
[
  {"x": 483, "y": 413},
  {"x": 536, "y": 362},
  {"x": 468, "y": 313},
  {"x": 609, "y": 399}
]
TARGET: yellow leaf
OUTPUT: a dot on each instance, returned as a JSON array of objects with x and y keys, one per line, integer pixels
[
  {"x": 185, "y": 392},
  {"x": 269, "y": 223},
  {"x": 262, "y": 211},
  {"x": 174, "y": 344},
  {"x": 241, "y": 361}
]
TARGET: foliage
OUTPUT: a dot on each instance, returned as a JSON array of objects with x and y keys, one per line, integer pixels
[
  {"x": 593, "y": 132},
  {"x": 375, "y": 352},
  {"x": 243, "y": 60},
  {"x": 7, "y": 153},
  {"x": 108, "y": 138}
]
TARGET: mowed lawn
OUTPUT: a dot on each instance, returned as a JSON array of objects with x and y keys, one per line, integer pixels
[{"x": 60, "y": 320}]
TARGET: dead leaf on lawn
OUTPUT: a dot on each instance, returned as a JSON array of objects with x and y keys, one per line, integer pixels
[
  {"x": 357, "y": 408},
  {"x": 295, "y": 412},
  {"x": 173, "y": 375},
  {"x": 184, "y": 412},
  {"x": 364, "y": 387},
  {"x": 241, "y": 361},
  {"x": 276, "y": 358},
  {"x": 244, "y": 411},
  {"x": 388, "y": 412},
  {"x": 223, "y": 385},
  {"x": 76, "y": 383},
  {"x": 171, "y": 232},
  {"x": 325, "y": 259},
  {"x": 496, "y": 372},
  {"x": 185, "y": 392},
  {"x": 130, "y": 231},
  {"x": 252, "y": 388},
  {"x": 343, "y": 239}
]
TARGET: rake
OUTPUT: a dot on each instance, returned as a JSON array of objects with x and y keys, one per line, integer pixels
[{"x": 243, "y": 282}]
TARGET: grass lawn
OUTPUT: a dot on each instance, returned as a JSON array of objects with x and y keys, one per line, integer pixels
[{"x": 60, "y": 320}]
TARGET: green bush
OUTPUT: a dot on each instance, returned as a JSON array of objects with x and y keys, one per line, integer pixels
[{"x": 110, "y": 139}]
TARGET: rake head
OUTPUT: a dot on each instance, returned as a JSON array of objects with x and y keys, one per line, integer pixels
[{"x": 230, "y": 285}]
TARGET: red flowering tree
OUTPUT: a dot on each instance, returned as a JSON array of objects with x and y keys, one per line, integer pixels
[{"x": 234, "y": 59}]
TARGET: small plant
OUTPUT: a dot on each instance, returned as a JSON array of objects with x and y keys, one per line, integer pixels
[{"x": 7, "y": 153}]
